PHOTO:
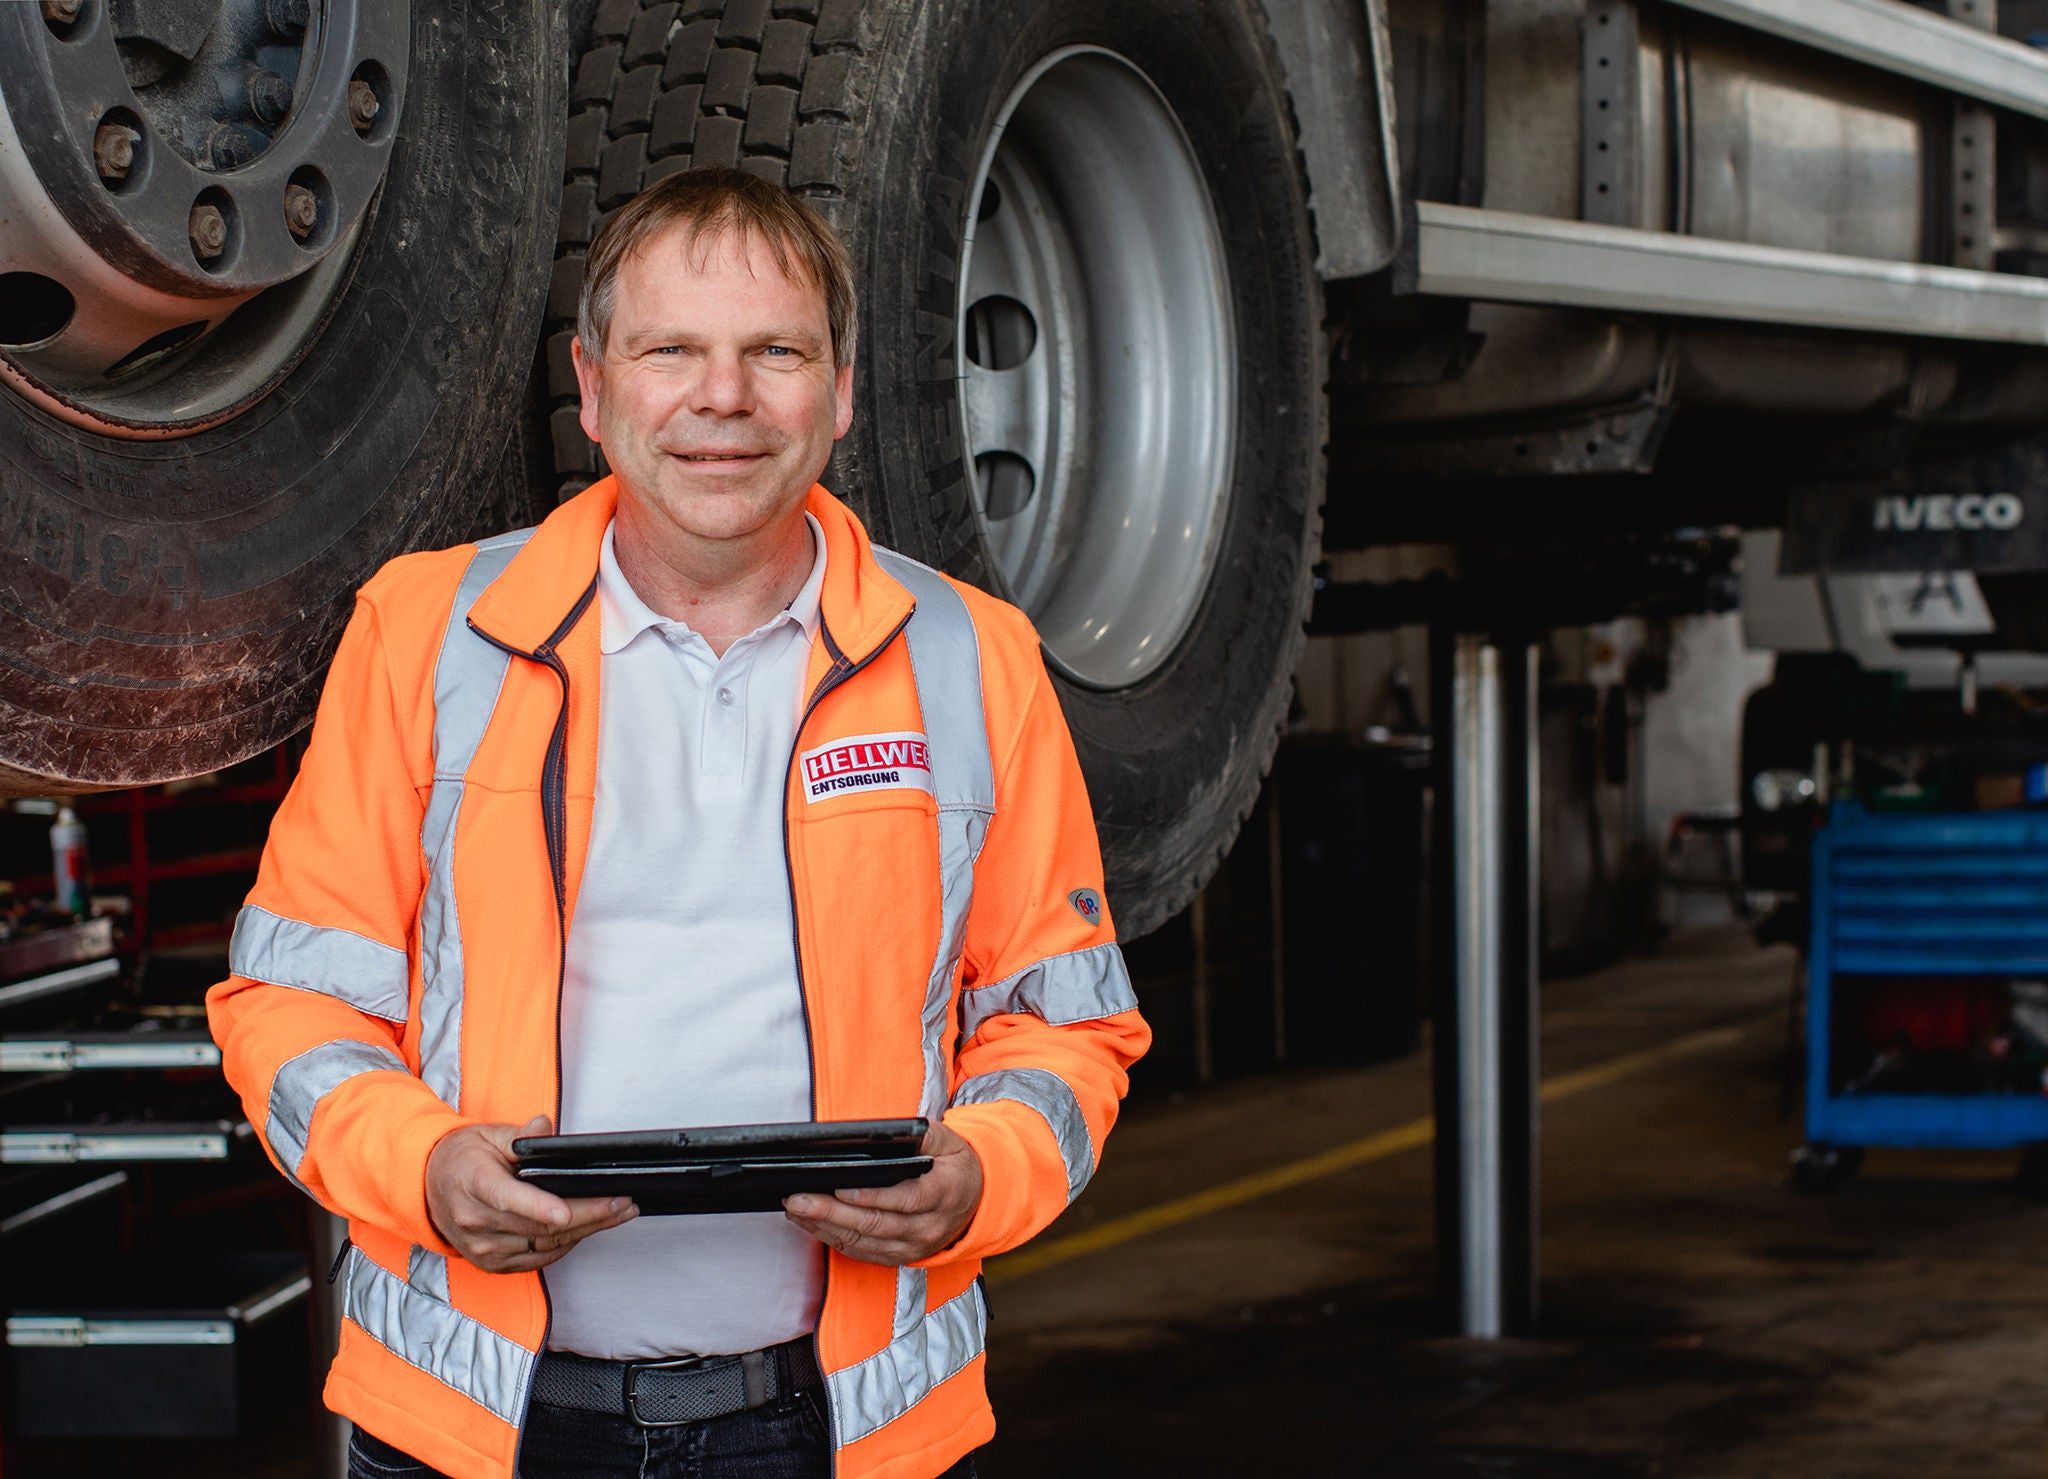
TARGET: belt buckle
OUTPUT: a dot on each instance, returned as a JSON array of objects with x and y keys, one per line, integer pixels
[{"x": 632, "y": 1388}]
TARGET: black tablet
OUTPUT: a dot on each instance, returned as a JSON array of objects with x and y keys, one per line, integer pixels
[{"x": 724, "y": 1168}]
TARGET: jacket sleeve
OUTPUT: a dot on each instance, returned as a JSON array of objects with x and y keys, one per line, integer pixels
[
  {"x": 1049, "y": 1024},
  {"x": 312, "y": 1021}
]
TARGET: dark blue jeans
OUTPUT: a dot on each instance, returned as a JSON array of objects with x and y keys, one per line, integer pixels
[{"x": 780, "y": 1440}]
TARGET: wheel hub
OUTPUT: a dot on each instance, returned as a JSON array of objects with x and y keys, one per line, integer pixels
[
  {"x": 162, "y": 164},
  {"x": 1098, "y": 366}
]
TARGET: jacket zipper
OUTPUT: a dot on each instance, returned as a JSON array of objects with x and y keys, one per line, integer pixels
[
  {"x": 841, "y": 670},
  {"x": 554, "y": 818},
  {"x": 554, "y": 822},
  {"x": 340, "y": 1255}
]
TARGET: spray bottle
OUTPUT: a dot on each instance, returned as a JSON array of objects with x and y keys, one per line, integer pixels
[{"x": 68, "y": 864}]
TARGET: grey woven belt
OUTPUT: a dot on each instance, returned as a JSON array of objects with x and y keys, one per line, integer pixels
[{"x": 660, "y": 1394}]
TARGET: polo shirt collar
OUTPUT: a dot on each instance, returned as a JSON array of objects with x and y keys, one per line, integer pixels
[{"x": 625, "y": 616}]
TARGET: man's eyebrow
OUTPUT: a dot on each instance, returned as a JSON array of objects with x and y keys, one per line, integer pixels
[
  {"x": 792, "y": 335},
  {"x": 639, "y": 339}
]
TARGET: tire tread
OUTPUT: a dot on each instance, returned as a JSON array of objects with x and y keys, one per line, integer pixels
[
  {"x": 785, "y": 47},
  {"x": 744, "y": 22},
  {"x": 614, "y": 19},
  {"x": 838, "y": 23},
  {"x": 689, "y": 53},
  {"x": 825, "y": 84},
  {"x": 632, "y": 109},
  {"x": 579, "y": 214},
  {"x": 1172, "y": 895},
  {"x": 717, "y": 142},
  {"x": 585, "y": 139},
  {"x": 675, "y": 122},
  {"x": 596, "y": 74},
  {"x": 648, "y": 40},
  {"x": 619, "y": 178},
  {"x": 771, "y": 121},
  {"x": 729, "y": 81},
  {"x": 760, "y": 85}
]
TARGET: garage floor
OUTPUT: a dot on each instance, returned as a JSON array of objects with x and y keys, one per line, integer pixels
[
  {"x": 1246, "y": 1288},
  {"x": 1699, "y": 1318}
]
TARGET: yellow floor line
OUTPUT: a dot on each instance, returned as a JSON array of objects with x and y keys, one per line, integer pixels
[{"x": 1031, "y": 1259}]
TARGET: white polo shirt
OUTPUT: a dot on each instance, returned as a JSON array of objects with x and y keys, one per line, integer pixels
[{"x": 680, "y": 1000}]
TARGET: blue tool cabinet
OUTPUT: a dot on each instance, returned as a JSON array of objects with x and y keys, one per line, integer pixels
[{"x": 1951, "y": 895}]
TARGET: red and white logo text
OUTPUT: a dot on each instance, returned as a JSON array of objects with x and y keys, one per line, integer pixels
[{"x": 867, "y": 762}]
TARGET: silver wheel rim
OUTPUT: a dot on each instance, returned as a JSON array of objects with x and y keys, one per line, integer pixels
[{"x": 1098, "y": 366}]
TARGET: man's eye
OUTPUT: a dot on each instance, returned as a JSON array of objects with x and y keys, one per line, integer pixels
[{"x": 779, "y": 351}]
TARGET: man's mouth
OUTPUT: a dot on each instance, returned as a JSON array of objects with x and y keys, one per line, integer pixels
[{"x": 718, "y": 456}]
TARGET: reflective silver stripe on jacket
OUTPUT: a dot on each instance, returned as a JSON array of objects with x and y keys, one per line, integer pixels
[
  {"x": 1048, "y": 1093},
  {"x": 1080, "y": 986},
  {"x": 488, "y": 1368},
  {"x": 945, "y": 663},
  {"x": 874, "y": 1393},
  {"x": 467, "y": 678},
  {"x": 427, "y": 1271},
  {"x": 369, "y": 976},
  {"x": 307, "y": 1079}
]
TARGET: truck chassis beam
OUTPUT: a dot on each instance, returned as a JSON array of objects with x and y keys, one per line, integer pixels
[
  {"x": 1463, "y": 252},
  {"x": 1903, "y": 39}
]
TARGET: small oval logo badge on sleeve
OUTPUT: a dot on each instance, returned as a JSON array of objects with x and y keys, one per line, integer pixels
[{"x": 1087, "y": 903}]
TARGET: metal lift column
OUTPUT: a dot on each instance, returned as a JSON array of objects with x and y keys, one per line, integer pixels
[{"x": 1485, "y": 1038}]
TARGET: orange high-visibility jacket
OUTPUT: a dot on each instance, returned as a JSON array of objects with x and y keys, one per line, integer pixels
[{"x": 397, "y": 970}]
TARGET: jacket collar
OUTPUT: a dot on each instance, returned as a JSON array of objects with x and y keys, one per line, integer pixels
[{"x": 531, "y": 603}]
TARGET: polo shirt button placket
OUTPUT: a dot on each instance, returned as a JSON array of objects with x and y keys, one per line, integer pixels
[{"x": 725, "y": 723}]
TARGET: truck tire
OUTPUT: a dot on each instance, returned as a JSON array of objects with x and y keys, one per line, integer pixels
[
  {"x": 1091, "y": 344},
  {"x": 174, "y": 591}
]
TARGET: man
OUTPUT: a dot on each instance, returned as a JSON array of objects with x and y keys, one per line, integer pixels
[{"x": 688, "y": 807}]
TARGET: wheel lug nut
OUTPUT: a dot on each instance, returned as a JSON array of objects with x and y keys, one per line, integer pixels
[
  {"x": 227, "y": 147},
  {"x": 301, "y": 210},
  {"x": 63, "y": 12},
  {"x": 270, "y": 96},
  {"x": 209, "y": 230},
  {"x": 362, "y": 105},
  {"x": 113, "y": 150},
  {"x": 287, "y": 17}
]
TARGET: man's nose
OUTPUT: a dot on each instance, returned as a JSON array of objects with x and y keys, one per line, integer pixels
[{"x": 723, "y": 388}]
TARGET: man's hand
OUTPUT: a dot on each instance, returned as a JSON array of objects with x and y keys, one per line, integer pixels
[
  {"x": 497, "y": 1221},
  {"x": 905, "y": 1222}
]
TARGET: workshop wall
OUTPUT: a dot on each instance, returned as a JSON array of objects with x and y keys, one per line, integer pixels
[{"x": 1641, "y": 727}]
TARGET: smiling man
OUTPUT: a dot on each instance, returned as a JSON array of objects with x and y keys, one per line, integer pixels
[{"x": 689, "y": 807}]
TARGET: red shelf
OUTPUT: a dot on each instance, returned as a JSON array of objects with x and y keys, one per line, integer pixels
[
  {"x": 142, "y": 869},
  {"x": 117, "y": 802}
]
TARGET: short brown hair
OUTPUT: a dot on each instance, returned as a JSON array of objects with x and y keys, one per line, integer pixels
[{"x": 709, "y": 202}]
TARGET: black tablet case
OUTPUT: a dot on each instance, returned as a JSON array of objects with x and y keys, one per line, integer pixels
[{"x": 724, "y": 1168}]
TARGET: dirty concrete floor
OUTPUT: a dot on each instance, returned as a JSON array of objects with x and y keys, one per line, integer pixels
[{"x": 1699, "y": 1318}]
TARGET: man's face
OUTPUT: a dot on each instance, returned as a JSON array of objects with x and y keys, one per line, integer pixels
[{"x": 716, "y": 400}]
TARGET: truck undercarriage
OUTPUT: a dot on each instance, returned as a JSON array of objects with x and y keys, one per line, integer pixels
[{"x": 1158, "y": 300}]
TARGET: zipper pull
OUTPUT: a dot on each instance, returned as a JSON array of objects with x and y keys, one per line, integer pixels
[{"x": 335, "y": 1272}]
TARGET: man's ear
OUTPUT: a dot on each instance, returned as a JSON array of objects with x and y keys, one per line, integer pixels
[
  {"x": 842, "y": 391},
  {"x": 589, "y": 385}
]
